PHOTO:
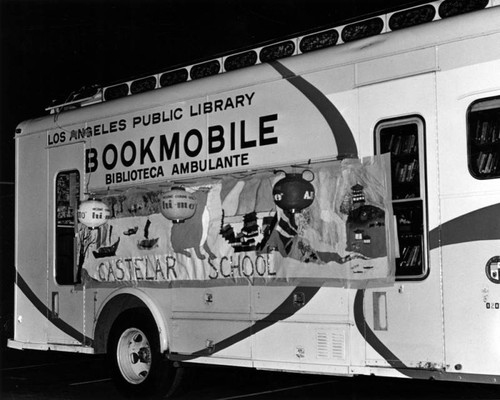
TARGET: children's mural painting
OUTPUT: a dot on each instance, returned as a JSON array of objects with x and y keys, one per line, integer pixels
[{"x": 335, "y": 228}]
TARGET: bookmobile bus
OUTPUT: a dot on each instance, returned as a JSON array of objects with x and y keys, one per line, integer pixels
[{"x": 325, "y": 204}]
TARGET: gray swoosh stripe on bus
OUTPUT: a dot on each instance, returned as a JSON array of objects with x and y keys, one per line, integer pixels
[
  {"x": 40, "y": 306},
  {"x": 481, "y": 224},
  {"x": 344, "y": 138}
]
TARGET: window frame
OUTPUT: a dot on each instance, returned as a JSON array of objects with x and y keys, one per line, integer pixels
[
  {"x": 400, "y": 203},
  {"x": 65, "y": 233},
  {"x": 473, "y": 147}
]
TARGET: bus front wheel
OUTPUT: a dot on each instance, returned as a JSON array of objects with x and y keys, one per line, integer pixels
[{"x": 137, "y": 366}]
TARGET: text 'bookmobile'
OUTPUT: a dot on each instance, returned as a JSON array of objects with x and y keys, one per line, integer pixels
[{"x": 326, "y": 204}]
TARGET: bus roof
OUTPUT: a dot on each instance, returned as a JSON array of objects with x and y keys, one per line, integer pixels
[
  {"x": 374, "y": 46},
  {"x": 326, "y": 37}
]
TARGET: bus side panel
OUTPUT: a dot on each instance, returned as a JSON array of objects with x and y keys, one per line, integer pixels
[
  {"x": 469, "y": 234},
  {"x": 407, "y": 318},
  {"x": 212, "y": 316},
  {"x": 321, "y": 328},
  {"x": 63, "y": 296},
  {"x": 31, "y": 240}
]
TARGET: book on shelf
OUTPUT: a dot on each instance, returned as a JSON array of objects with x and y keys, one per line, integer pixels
[
  {"x": 406, "y": 172},
  {"x": 487, "y": 132},
  {"x": 402, "y": 144},
  {"x": 487, "y": 162},
  {"x": 397, "y": 145},
  {"x": 410, "y": 144},
  {"x": 414, "y": 256},
  {"x": 391, "y": 143},
  {"x": 410, "y": 256}
]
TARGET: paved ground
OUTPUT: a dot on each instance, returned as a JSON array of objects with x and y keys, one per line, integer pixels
[{"x": 42, "y": 375}]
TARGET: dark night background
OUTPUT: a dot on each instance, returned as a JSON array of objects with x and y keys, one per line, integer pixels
[{"x": 50, "y": 48}]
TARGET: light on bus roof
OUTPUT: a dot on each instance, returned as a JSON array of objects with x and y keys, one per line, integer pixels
[
  {"x": 205, "y": 69},
  {"x": 412, "y": 17},
  {"x": 319, "y": 40},
  {"x": 143, "y": 85},
  {"x": 115, "y": 92},
  {"x": 363, "y": 29},
  {"x": 174, "y": 77},
  {"x": 241, "y": 60},
  {"x": 277, "y": 51},
  {"x": 450, "y": 8}
]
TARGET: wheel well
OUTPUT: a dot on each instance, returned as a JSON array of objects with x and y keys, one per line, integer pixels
[{"x": 111, "y": 311}]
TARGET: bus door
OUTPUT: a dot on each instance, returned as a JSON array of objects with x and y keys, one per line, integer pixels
[
  {"x": 470, "y": 202},
  {"x": 65, "y": 295},
  {"x": 403, "y": 322}
]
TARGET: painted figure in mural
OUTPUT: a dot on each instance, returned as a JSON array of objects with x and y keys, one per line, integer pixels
[
  {"x": 85, "y": 240},
  {"x": 104, "y": 244},
  {"x": 190, "y": 233},
  {"x": 245, "y": 199},
  {"x": 147, "y": 243}
]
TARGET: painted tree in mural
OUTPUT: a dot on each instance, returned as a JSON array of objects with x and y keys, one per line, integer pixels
[{"x": 85, "y": 240}]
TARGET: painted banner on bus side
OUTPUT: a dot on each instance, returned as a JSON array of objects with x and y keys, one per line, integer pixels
[{"x": 239, "y": 232}]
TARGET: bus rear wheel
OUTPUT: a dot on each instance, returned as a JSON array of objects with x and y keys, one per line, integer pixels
[{"x": 137, "y": 366}]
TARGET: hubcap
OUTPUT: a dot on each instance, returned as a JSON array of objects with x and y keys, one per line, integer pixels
[{"x": 134, "y": 355}]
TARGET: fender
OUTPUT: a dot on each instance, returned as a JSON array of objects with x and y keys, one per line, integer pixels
[{"x": 119, "y": 301}]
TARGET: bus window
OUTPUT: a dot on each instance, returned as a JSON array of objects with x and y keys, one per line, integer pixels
[
  {"x": 67, "y": 195},
  {"x": 483, "y": 142},
  {"x": 404, "y": 140}
]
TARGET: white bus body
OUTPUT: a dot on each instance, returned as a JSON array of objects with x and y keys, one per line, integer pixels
[{"x": 244, "y": 282}]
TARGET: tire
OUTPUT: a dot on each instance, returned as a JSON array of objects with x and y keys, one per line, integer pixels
[{"x": 138, "y": 368}]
